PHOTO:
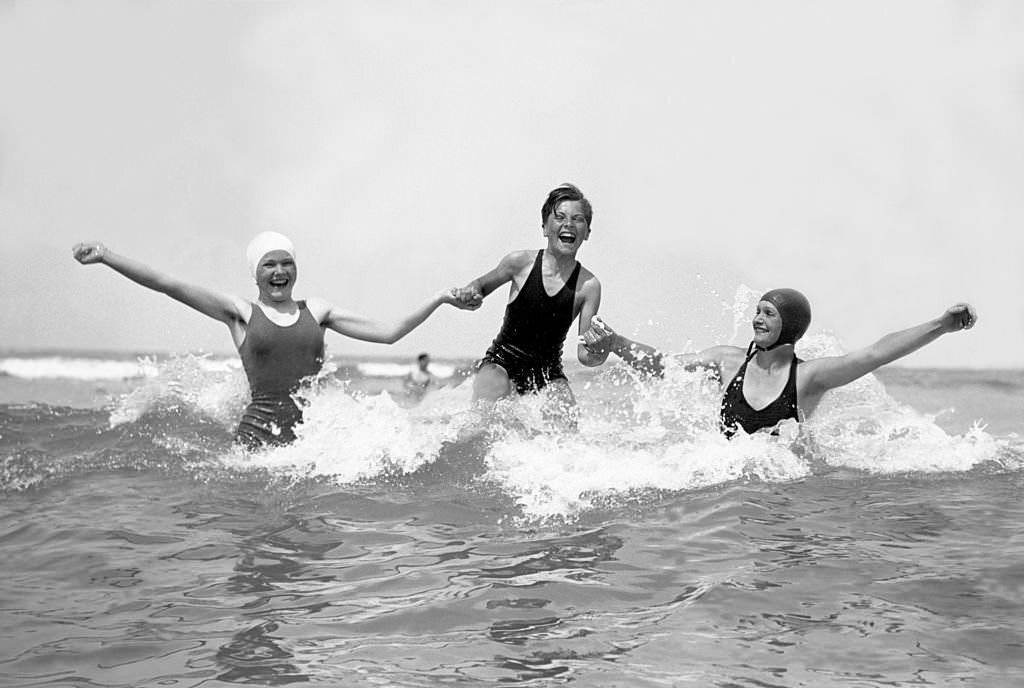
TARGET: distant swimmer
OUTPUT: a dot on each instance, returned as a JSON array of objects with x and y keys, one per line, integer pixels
[
  {"x": 280, "y": 340},
  {"x": 549, "y": 290},
  {"x": 420, "y": 378},
  {"x": 766, "y": 383}
]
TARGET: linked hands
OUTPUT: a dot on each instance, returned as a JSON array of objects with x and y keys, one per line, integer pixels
[
  {"x": 89, "y": 252},
  {"x": 959, "y": 316},
  {"x": 464, "y": 298},
  {"x": 599, "y": 337}
]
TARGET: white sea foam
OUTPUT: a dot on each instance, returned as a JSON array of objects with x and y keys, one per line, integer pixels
[
  {"x": 552, "y": 475},
  {"x": 635, "y": 437},
  {"x": 213, "y": 388},
  {"x": 349, "y": 436},
  {"x": 58, "y": 367},
  {"x": 82, "y": 368}
]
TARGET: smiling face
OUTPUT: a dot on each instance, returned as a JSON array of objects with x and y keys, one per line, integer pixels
[
  {"x": 275, "y": 276},
  {"x": 767, "y": 324},
  {"x": 566, "y": 227}
]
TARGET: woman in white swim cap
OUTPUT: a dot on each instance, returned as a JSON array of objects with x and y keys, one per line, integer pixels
[{"x": 280, "y": 340}]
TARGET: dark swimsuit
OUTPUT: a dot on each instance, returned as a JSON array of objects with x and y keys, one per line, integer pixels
[
  {"x": 737, "y": 413},
  {"x": 276, "y": 359},
  {"x": 529, "y": 345}
]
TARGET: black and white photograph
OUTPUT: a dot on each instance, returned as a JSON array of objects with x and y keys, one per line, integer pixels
[{"x": 413, "y": 343}]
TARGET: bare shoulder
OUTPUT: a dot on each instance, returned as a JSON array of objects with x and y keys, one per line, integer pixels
[
  {"x": 242, "y": 307},
  {"x": 519, "y": 259},
  {"x": 587, "y": 281},
  {"x": 587, "y": 276},
  {"x": 319, "y": 308},
  {"x": 517, "y": 263},
  {"x": 812, "y": 370}
]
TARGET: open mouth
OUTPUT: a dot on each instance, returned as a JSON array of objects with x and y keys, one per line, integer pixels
[
  {"x": 567, "y": 237},
  {"x": 278, "y": 282}
]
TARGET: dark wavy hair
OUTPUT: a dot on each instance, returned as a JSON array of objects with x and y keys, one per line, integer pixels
[{"x": 566, "y": 192}]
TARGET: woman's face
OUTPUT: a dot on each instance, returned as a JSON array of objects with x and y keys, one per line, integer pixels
[
  {"x": 275, "y": 275},
  {"x": 767, "y": 324}
]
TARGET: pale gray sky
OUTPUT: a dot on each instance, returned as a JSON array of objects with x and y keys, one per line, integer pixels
[{"x": 868, "y": 153}]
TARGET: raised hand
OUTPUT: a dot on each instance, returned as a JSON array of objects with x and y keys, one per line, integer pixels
[
  {"x": 89, "y": 252},
  {"x": 959, "y": 316}
]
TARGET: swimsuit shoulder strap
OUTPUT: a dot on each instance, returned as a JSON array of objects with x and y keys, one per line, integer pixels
[
  {"x": 257, "y": 308},
  {"x": 751, "y": 350},
  {"x": 791, "y": 383},
  {"x": 571, "y": 282}
]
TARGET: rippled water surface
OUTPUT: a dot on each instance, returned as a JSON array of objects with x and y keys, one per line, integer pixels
[
  {"x": 141, "y": 578},
  {"x": 396, "y": 545}
]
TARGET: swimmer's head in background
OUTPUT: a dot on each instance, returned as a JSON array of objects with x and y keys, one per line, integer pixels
[
  {"x": 566, "y": 192},
  {"x": 795, "y": 311},
  {"x": 264, "y": 243}
]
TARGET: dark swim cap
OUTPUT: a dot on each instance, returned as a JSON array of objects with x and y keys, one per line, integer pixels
[{"x": 795, "y": 311}]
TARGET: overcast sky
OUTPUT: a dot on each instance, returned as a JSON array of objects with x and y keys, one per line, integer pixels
[{"x": 868, "y": 153}]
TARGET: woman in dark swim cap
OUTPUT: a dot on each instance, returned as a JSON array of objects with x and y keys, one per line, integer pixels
[
  {"x": 795, "y": 311},
  {"x": 766, "y": 383}
]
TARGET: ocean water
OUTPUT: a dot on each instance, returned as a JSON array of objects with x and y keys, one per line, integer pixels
[{"x": 421, "y": 542}]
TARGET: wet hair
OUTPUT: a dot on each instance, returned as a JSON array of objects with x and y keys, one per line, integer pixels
[
  {"x": 565, "y": 192},
  {"x": 423, "y": 356},
  {"x": 795, "y": 311}
]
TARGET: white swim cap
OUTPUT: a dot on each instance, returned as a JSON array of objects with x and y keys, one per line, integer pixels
[{"x": 263, "y": 244}]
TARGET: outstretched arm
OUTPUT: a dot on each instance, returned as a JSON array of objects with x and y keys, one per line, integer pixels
[
  {"x": 822, "y": 374},
  {"x": 216, "y": 305},
  {"x": 649, "y": 360},
  {"x": 586, "y": 355},
  {"x": 357, "y": 326},
  {"x": 506, "y": 269},
  {"x": 600, "y": 338}
]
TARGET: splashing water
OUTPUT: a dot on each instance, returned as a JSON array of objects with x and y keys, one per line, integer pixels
[
  {"x": 636, "y": 437},
  {"x": 860, "y": 426},
  {"x": 349, "y": 436},
  {"x": 740, "y": 308},
  {"x": 188, "y": 381}
]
